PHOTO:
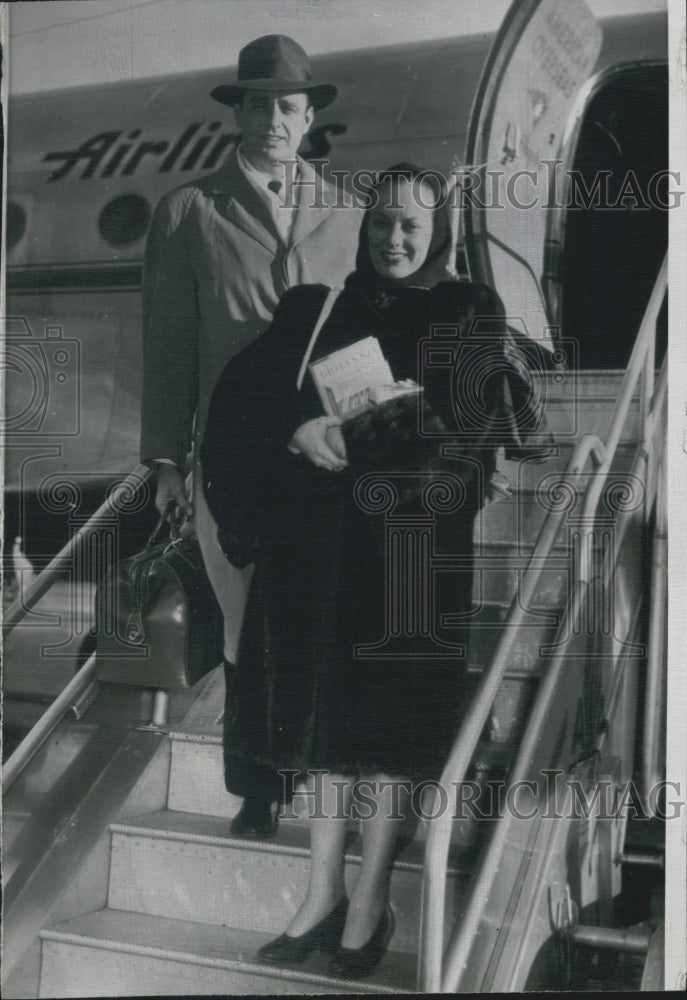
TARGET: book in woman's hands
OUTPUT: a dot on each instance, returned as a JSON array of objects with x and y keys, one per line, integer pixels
[{"x": 345, "y": 379}]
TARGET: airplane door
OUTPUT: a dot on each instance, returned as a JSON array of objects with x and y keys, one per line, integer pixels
[{"x": 541, "y": 58}]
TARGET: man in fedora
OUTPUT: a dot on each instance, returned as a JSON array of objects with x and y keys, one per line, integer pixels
[{"x": 221, "y": 252}]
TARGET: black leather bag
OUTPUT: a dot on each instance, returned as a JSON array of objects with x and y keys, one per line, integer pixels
[{"x": 158, "y": 623}]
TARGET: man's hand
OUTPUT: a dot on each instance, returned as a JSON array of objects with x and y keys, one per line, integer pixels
[
  {"x": 171, "y": 500},
  {"x": 314, "y": 440}
]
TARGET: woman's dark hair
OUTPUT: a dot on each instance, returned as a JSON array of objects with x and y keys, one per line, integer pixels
[{"x": 418, "y": 176}]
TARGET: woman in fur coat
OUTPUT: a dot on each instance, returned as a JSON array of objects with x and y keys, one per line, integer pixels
[{"x": 353, "y": 648}]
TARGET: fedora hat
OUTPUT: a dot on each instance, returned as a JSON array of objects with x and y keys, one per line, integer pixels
[{"x": 275, "y": 62}]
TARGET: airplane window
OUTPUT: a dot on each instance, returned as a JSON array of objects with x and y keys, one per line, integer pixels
[
  {"x": 124, "y": 220},
  {"x": 16, "y": 224}
]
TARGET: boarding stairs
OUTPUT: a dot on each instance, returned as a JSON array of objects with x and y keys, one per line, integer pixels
[{"x": 182, "y": 906}]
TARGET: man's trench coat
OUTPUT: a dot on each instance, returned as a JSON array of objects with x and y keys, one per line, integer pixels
[{"x": 215, "y": 269}]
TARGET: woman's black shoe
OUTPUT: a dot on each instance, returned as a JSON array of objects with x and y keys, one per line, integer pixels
[
  {"x": 353, "y": 963},
  {"x": 325, "y": 935}
]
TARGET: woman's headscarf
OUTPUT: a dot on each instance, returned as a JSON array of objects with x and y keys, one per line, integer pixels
[{"x": 439, "y": 264}]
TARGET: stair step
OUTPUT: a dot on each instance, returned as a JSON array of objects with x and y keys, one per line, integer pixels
[
  {"x": 119, "y": 953},
  {"x": 196, "y": 786},
  {"x": 517, "y": 520},
  {"x": 496, "y": 579},
  {"x": 516, "y": 549},
  {"x": 486, "y": 628},
  {"x": 196, "y": 778},
  {"x": 583, "y": 384},
  {"x": 583, "y": 402},
  {"x": 570, "y": 420},
  {"x": 524, "y": 660},
  {"x": 513, "y": 520},
  {"x": 525, "y": 664},
  {"x": 208, "y": 706},
  {"x": 531, "y": 475},
  {"x": 189, "y": 867},
  {"x": 498, "y": 570}
]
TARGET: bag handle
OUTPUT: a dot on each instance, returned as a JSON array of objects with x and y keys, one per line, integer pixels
[
  {"x": 329, "y": 301},
  {"x": 173, "y": 532},
  {"x": 176, "y": 534},
  {"x": 139, "y": 567}
]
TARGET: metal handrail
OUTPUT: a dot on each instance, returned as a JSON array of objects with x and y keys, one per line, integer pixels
[
  {"x": 81, "y": 681},
  {"x": 636, "y": 369},
  {"x": 461, "y": 942},
  {"x": 459, "y": 947},
  {"x": 51, "y": 718},
  {"x": 655, "y": 695},
  {"x": 619, "y": 534},
  {"x": 439, "y": 835}
]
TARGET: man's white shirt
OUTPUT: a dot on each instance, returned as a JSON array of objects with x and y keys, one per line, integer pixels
[{"x": 282, "y": 214}]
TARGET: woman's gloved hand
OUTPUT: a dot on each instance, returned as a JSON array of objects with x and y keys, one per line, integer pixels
[{"x": 321, "y": 441}]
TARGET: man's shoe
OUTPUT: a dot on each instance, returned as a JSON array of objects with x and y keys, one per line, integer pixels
[{"x": 255, "y": 820}]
